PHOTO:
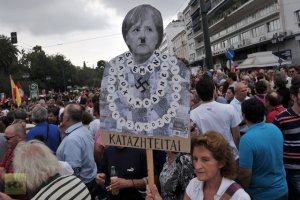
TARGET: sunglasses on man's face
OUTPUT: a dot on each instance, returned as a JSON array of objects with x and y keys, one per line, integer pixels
[{"x": 8, "y": 138}]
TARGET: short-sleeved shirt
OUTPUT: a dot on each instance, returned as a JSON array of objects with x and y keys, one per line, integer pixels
[
  {"x": 195, "y": 190},
  {"x": 130, "y": 163},
  {"x": 53, "y": 137},
  {"x": 214, "y": 116},
  {"x": 289, "y": 123},
  {"x": 77, "y": 148},
  {"x": 261, "y": 150}
]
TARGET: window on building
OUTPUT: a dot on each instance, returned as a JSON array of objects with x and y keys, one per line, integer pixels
[
  {"x": 245, "y": 35},
  {"x": 190, "y": 36},
  {"x": 273, "y": 25},
  {"x": 258, "y": 31},
  {"x": 297, "y": 16},
  {"x": 234, "y": 40}
]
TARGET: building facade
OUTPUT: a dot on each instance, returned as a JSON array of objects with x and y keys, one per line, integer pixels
[
  {"x": 172, "y": 29},
  {"x": 247, "y": 26}
]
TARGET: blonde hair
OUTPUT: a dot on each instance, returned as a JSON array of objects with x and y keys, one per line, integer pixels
[{"x": 36, "y": 161}]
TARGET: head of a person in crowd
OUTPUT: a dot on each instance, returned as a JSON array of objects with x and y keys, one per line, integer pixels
[
  {"x": 295, "y": 91},
  {"x": 261, "y": 87},
  {"x": 53, "y": 115},
  {"x": 253, "y": 111},
  {"x": 229, "y": 94},
  {"x": 240, "y": 91},
  {"x": 270, "y": 73},
  {"x": 20, "y": 114},
  {"x": 293, "y": 71},
  {"x": 60, "y": 103},
  {"x": 205, "y": 88},
  {"x": 261, "y": 71},
  {"x": 37, "y": 162},
  {"x": 87, "y": 118},
  {"x": 51, "y": 102},
  {"x": 231, "y": 77},
  {"x": 72, "y": 115},
  {"x": 142, "y": 30},
  {"x": 14, "y": 134},
  {"x": 43, "y": 103},
  {"x": 280, "y": 79},
  {"x": 10, "y": 117},
  {"x": 39, "y": 114},
  {"x": 272, "y": 99},
  {"x": 260, "y": 76},
  {"x": 212, "y": 157}
]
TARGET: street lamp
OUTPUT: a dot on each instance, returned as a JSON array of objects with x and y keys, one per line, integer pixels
[{"x": 278, "y": 39}]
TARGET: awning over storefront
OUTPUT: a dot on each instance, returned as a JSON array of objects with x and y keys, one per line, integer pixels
[{"x": 262, "y": 59}]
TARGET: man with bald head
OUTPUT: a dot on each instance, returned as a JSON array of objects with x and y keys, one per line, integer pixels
[
  {"x": 14, "y": 134},
  {"x": 273, "y": 104},
  {"x": 77, "y": 147},
  {"x": 239, "y": 97}
]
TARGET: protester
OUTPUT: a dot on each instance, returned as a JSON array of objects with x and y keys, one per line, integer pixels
[
  {"x": 42, "y": 171},
  {"x": 261, "y": 169},
  {"x": 288, "y": 122},
  {"x": 229, "y": 94},
  {"x": 77, "y": 147},
  {"x": 280, "y": 87},
  {"x": 175, "y": 175},
  {"x": 273, "y": 105},
  {"x": 211, "y": 115},
  {"x": 215, "y": 168},
  {"x": 131, "y": 168},
  {"x": 240, "y": 96},
  {"x": 47, "y": 133}
]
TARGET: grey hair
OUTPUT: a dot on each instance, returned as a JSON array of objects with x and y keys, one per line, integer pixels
[
  {"x": 36, "y": 161},
  {"x": 141, "y": 13},
  {"x": 39, "y": 114}
]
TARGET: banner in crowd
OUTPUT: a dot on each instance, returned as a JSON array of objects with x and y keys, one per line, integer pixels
[
  {"x": 146, "y": 106},
  {"x": 15, "y": 92},
  {"x": 34, "y": 91}
]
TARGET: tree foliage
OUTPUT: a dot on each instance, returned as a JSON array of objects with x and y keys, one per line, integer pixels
[
  {"x": 48, "y": 71},
  {"x": 8, "y": 54}
]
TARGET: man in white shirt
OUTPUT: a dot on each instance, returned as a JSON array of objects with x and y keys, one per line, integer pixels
[{"x": 214, "y": 116}]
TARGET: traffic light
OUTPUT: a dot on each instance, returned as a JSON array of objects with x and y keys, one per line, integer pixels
[
  {"x": 13, "y": 37},
  {"x": 101, "y": 64}
]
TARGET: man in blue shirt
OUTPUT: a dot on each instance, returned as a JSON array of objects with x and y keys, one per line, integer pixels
[
  {"x": 261, "y": 171},
  {"x": 77, "y": 147},
  {"x": 48, "y": 133}
]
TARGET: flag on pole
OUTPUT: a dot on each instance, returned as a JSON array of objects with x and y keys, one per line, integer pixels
[
  {"x": 15, "y": 92},
  {"x": 22, "y": 93}
]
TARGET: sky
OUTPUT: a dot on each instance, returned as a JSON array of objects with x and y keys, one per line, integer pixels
[{"x": 81, "y": 30}]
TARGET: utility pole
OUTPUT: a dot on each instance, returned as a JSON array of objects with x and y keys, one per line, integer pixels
[{"x": 208, "y": 57}]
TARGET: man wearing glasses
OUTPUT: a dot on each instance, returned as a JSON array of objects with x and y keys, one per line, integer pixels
[{"x": 14, "y": 134}]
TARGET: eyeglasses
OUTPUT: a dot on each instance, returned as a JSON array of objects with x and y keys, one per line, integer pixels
[
  {"x": 291, "y": 71},
  {"x": 8, "y": 138}
]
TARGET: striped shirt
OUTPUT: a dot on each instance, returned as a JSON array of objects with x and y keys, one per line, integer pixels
[
  {"x": 63, "y": 187},
  {"x": 289, "y": 123}
]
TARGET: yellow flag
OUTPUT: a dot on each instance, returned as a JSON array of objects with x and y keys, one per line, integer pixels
[{"x": 15, "y": 92}]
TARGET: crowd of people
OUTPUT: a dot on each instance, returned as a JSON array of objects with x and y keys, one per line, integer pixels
[{"x": 244, "y": 125}]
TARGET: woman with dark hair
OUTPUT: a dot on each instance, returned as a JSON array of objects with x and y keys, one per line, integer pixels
[{"x": 229, "y": 94}]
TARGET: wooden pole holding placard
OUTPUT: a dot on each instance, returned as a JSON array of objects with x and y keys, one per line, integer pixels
[{"x": 150, "y": 168}]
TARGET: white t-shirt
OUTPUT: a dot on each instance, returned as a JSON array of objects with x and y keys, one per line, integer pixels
[
  {"x": 214, "y": 116},
  {"x": 195, "y": 190}
]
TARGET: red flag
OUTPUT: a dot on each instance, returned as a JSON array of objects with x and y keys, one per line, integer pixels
[{"x": 22, "y": 93}]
